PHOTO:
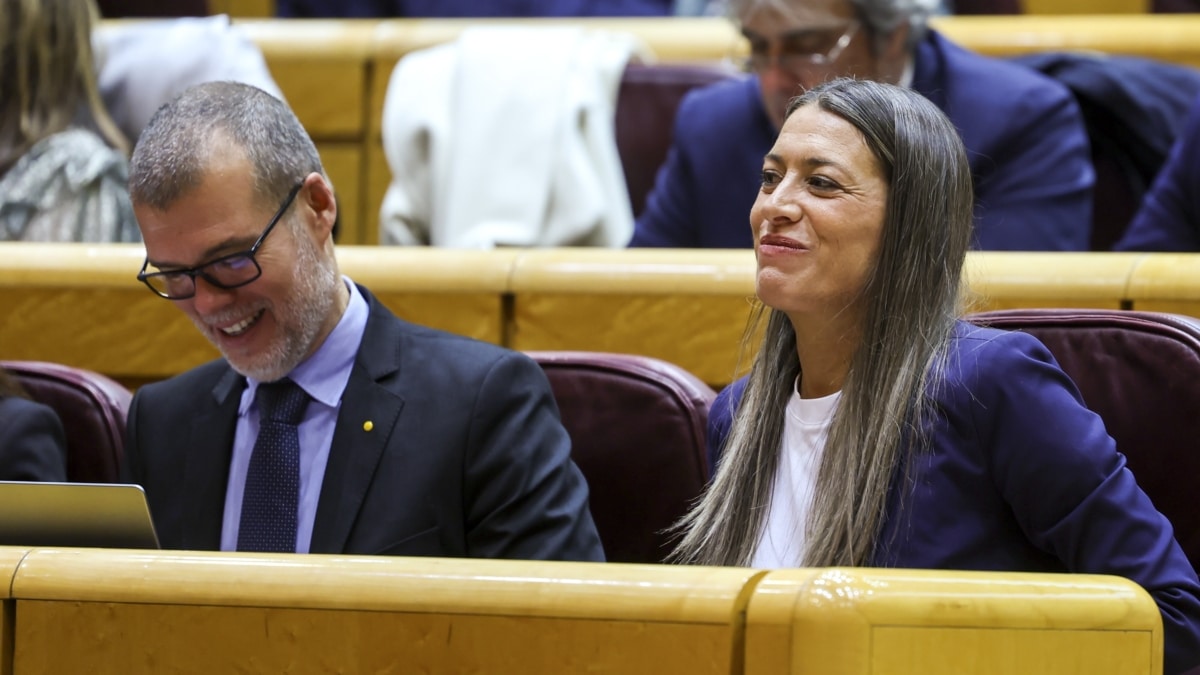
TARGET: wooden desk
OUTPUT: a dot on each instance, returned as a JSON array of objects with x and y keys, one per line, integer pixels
[
  {"x": 127, "y": 612},
  {"x": 854, "y": 621}
]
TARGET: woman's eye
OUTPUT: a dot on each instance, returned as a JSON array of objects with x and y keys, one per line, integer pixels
[
  {"x": 769, "y": 178},
  {"x": 822, "y": 183}
]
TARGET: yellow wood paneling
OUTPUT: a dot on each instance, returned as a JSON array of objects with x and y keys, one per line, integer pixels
[
  {"x": 344, "y": 163},
  {"x": 105, "y": 638},
  {"x": 10, "y": 558},
  {"x": 82, "y": 305},
  {"x": 892, "y": 622},
  {"x": 1089, "y": 7},
  {"x": 592, "y": 591},
  {"x": 701, "y": 334},
  {"x": 1002, "y": 280},
  {"x": 379, "y": 174},
  {"x": 1167, "y": 37},
  {"x": 1011, "y": 651},
  {"x": 1167, "y": 282},
  {"x": 688, "y": 307},
  {"x": 101, "y": 611},
  {"x": 322, "y": 68},
  {"x": 243, "y": 8},
  {"x": 448, "y": 289}
]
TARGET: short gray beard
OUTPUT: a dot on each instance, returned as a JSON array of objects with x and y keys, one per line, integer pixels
[{"x": 301, "y": 317}]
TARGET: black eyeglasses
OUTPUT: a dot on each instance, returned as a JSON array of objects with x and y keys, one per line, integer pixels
[
  {"x": 803, "y": 50},
  {"x": 228, "y": 271}
]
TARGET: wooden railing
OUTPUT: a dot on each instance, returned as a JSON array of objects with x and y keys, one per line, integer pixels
[
  {"x": 109, "y": 611},
  {"x": 81, "y": 305},
  {"x": 334, "y": 73}
]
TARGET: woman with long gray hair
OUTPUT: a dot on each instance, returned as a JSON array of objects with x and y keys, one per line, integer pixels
[{"x": 876, "y": 428}]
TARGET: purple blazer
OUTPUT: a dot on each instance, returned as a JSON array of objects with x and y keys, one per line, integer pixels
[
  {"x": 1021, "y": 476},
  {"x": 1025, "y": 138}
]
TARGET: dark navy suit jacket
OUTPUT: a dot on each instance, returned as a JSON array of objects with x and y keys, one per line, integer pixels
[
  {"x": 33, "y": 445},
  {"x": 1024, "y": 134},
  {"x": 466, "y": 458},
  {"x": 1021, "y": 476},
  {"x": 1169, "y": 217}
]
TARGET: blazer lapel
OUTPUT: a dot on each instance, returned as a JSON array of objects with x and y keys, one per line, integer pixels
[
  {"x": 208, "y": 451},
  {"x": 366, "y": 418}
]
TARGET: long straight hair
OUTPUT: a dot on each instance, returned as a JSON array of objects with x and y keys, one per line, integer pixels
[
  {"x": 911, "y": 302},
  {"x": 48, "y": 74}
]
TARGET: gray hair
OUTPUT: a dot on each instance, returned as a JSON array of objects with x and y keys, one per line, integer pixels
[
  {"x": 912, "y": 301},
  {"x": 173, "y": 152},
  {"x": 881, "y": 17}
]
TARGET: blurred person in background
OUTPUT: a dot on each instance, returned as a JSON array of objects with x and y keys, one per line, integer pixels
[
  {"x": 62, "y": 159},
  {"x": 33, "y": 446},
  {"x": 1025, "y": 136}
]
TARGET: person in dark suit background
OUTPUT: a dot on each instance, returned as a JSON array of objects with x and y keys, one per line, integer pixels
[
  {"x": 877, "y": 428},
  {"x": 1169, "y": 216},
  {"x": 1025, "y": 136},
  {"x": 33, "y": 445},
  {"x": 410, "y": 442}
]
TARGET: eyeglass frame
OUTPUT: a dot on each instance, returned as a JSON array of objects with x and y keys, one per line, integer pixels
[
  {"x": 757, "y": 64},
  {"x": 199, "y": 270}
]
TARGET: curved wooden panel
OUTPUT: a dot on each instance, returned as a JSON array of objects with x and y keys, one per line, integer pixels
[
  {"x": 1167, "y": 282},
  {"x": 688, "y": 307},
  {"x": 1007, "y": 279},
  {"x": 120, "y": 612},
  {"x": 847, "y": 621}
]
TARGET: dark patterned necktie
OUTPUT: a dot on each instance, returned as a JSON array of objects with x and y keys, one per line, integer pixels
[{"x": 272, "y": 493}]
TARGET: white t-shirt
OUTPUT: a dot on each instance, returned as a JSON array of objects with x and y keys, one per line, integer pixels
[{"x": 805, "y": 430}]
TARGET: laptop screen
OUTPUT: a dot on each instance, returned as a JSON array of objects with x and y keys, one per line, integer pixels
[{"x": 106, "y": 515}]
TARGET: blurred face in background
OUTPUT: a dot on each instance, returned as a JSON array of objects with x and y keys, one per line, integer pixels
[{"x": 812, "y": 41}]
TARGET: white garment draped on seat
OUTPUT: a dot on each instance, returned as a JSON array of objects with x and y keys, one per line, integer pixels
[
  {"x": 506, "y": 138},
  {"x": 144, "y": 64}
]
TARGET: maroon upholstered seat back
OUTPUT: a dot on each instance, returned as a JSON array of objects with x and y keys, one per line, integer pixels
[
  {"x": 1140, "y": 371},
  {"x": 645, "y": 118},
  {"x": 637, "y": 429},
  {"x": 92, "y": 408}
]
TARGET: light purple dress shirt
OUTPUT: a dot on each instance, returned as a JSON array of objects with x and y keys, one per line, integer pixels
[{"x": 323, "y": 376}]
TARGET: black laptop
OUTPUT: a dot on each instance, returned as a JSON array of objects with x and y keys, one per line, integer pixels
[{"x": 106, "y": 515}]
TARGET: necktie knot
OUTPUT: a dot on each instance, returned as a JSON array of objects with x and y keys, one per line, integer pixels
[{"x": 281, "y": 401}]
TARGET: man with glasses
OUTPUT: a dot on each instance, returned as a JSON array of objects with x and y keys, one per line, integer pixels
[
  {"x": 1025, "y": 136},
  {"x": 330, "y": 425}
]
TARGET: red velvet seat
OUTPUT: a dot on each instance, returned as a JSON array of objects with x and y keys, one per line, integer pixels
[
  {"x": 92, "y": 408},
  {"x": 645, "y": 118},
  {"x": 637, "y": 429},
  {"x": 1140, "y": 371}
]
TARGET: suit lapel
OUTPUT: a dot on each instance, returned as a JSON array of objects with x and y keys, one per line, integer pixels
[
  {"x": 367, "y": 416},
  {"x": 206, "y": 464}
]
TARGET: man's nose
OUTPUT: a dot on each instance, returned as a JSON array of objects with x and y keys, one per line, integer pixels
[{"x": 210, "y": 299}]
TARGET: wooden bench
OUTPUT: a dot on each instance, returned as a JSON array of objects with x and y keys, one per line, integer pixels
[
  {"x": 124, "y": 611},
  {"x": 81, "y": 305},
  {"x": 852, "y": 621}
]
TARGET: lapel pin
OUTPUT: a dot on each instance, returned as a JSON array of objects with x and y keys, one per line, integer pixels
[{"x": 368, "y": 425}]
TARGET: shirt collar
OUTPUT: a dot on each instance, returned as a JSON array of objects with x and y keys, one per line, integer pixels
[{"x": 324, "y": 374}]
